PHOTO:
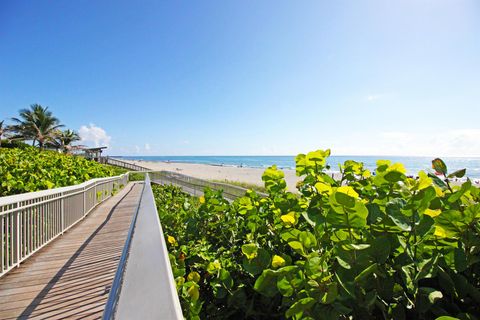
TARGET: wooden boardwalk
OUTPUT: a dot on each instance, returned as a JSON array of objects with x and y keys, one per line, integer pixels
[{"x": 71, "y": 277}]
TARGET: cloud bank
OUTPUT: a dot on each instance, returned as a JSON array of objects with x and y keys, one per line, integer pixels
[
  {"x": 93, "y": 134},
  {"x": 454, "y": 143}
]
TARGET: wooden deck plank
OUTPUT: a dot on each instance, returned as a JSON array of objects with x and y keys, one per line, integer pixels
[{"x": 71, "y": 277}]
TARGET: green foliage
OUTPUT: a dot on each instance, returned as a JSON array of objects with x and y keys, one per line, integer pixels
[
  {"x": 241, "y": 184},
  {"x": 13, "y": 144},
  {"x": 29, "y": 169},
  {"x": 133, "y": 176},
  {"x": 382, "y": 246}
]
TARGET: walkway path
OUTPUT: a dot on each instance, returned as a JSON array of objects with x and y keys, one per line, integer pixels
[{"x": 71, "y": 277}]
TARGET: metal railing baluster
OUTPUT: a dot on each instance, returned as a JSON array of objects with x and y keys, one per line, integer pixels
[{"x": 29, "y": 221}]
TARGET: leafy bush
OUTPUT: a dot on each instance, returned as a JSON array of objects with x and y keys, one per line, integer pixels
[
  {"x": 14, "y": 144},
  {"x": 370, "y": 246},
  {"x": 136, "y": 176},
  {"x": 29, "y": 169},
  {"x": 245, "y": 185}
]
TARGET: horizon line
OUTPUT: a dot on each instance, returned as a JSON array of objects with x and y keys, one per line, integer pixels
[{"x": 288, "y": 155}]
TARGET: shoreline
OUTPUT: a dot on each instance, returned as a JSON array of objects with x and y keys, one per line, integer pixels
[
  {"x": 203, "y": 164},
  {"x": 218, "y": 172},
  {"x": 222, "y": 172}
]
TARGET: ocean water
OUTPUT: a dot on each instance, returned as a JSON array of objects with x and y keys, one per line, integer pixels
[{"x": 412, "y": 164}]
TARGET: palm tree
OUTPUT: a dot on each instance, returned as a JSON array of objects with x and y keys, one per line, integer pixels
[
  {"x": 37, "y": 124},
  {"x": 3, "y": 130},
  {"x": 64, "y": 139}
]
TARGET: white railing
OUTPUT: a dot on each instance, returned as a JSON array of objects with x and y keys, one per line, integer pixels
[
  {"x": 196, "y": 186},
  {"x": 144, "y": 286},
  {"x": 123, "y": 164},
  {"x": 29, "y": 221}
]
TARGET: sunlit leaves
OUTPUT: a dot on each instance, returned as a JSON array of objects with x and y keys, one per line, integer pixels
[
  {"x": 432, "y": 213},
  {"x": 277, "y": 261},
  {"x": 289, "y": 218},
  {"x": 368, "y": 246},
  {"x": 274, "y": 180},
  {"x": 29, "y": 169},
  {"x": 312, "y": 163},
  {"x": 250, "y": 250}
]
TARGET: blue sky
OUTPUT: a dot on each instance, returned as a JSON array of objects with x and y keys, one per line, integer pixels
[{"x": 250, "y": 77}]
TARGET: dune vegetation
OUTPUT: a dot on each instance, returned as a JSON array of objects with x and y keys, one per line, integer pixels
[
  {"x": 371, "y": 246},
  {"x": 31, "y": 169}
]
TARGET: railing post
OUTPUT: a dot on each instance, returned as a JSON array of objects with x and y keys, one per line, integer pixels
[
  {"x": 95, "y": 193},
  {"x": 84, "y": 201},
  {"x": 62, "y": 212},
  {"x": 17, "y": 235}
]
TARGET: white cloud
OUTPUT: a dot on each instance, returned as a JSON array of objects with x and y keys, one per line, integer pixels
[
  {"x": 137, "y": 149},
  {"x": 147, "y": 147},
  {"x": 373, "y": 97},
  {"x": 460, "y": 143},
  {"x": 94, "y": 134}
]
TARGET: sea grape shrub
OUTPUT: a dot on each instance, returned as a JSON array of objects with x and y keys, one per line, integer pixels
[
  {"x": 368, "y": 246},
  {"x": 29, "y": 169}
]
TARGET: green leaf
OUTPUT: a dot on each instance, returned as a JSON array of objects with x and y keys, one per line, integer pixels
[
  {"x": 428, "y": 268},
  {"x": 458, "y": 174},
  {"x": 439, "y": 182},
  {"x": 314, "y": 267},
  {"x": 355, "y": 217},
  {"x": 266, "y": 283},
  {"x": 344, "y": 199},
  {"x": 284, "y": 287},
  {"x": 226, "y": 279},
  {"x": 439, "y": 166},
  {"x": 432, "y": 294},
  {"x": 297, "y": 247},
  {"x": 299, "y": 307},
  {"x": 394, "y": 176},
  {"x": 49, "y": 184},
  {"x": 291, "y": 234},
  {"x": 472, "y": 213},
  {"x": 353, "y": 246},
  {"x": 250, "y": 250},
  {"x": 274, "y": 180},
  {"x": 258, "y": 264},
  {"x": 458, "y": 194},
  {"x": 365, "y": 273},
  {"x": 307, "y": 239},
  {"x": 331, "y": 294},
  {"x": 393, "y": 210},
  {"x": 424, "y": 181},
  {"x": 451, "y": 222}
]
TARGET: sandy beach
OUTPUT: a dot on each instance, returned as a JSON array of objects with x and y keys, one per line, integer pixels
[
  {"x": 232, "y": 173},
  {"x": 217, "y": 172}
]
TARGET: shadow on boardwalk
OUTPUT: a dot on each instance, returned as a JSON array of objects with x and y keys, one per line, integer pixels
[{"x": 71, "y": 277}]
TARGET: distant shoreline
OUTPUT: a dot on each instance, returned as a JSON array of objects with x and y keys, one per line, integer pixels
[
  {"x": 412, "y": 164},
  {"x": 225, "y": 172}
]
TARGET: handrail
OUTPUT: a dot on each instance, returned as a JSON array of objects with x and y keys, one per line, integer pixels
[
  {"x": 195, "y": 186},
  {"x": 29, "y": 221},
  {"x": 114, "y": 294},
  {"x": 148, "y": 289},
  {"x": 123, "y": 164}
]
